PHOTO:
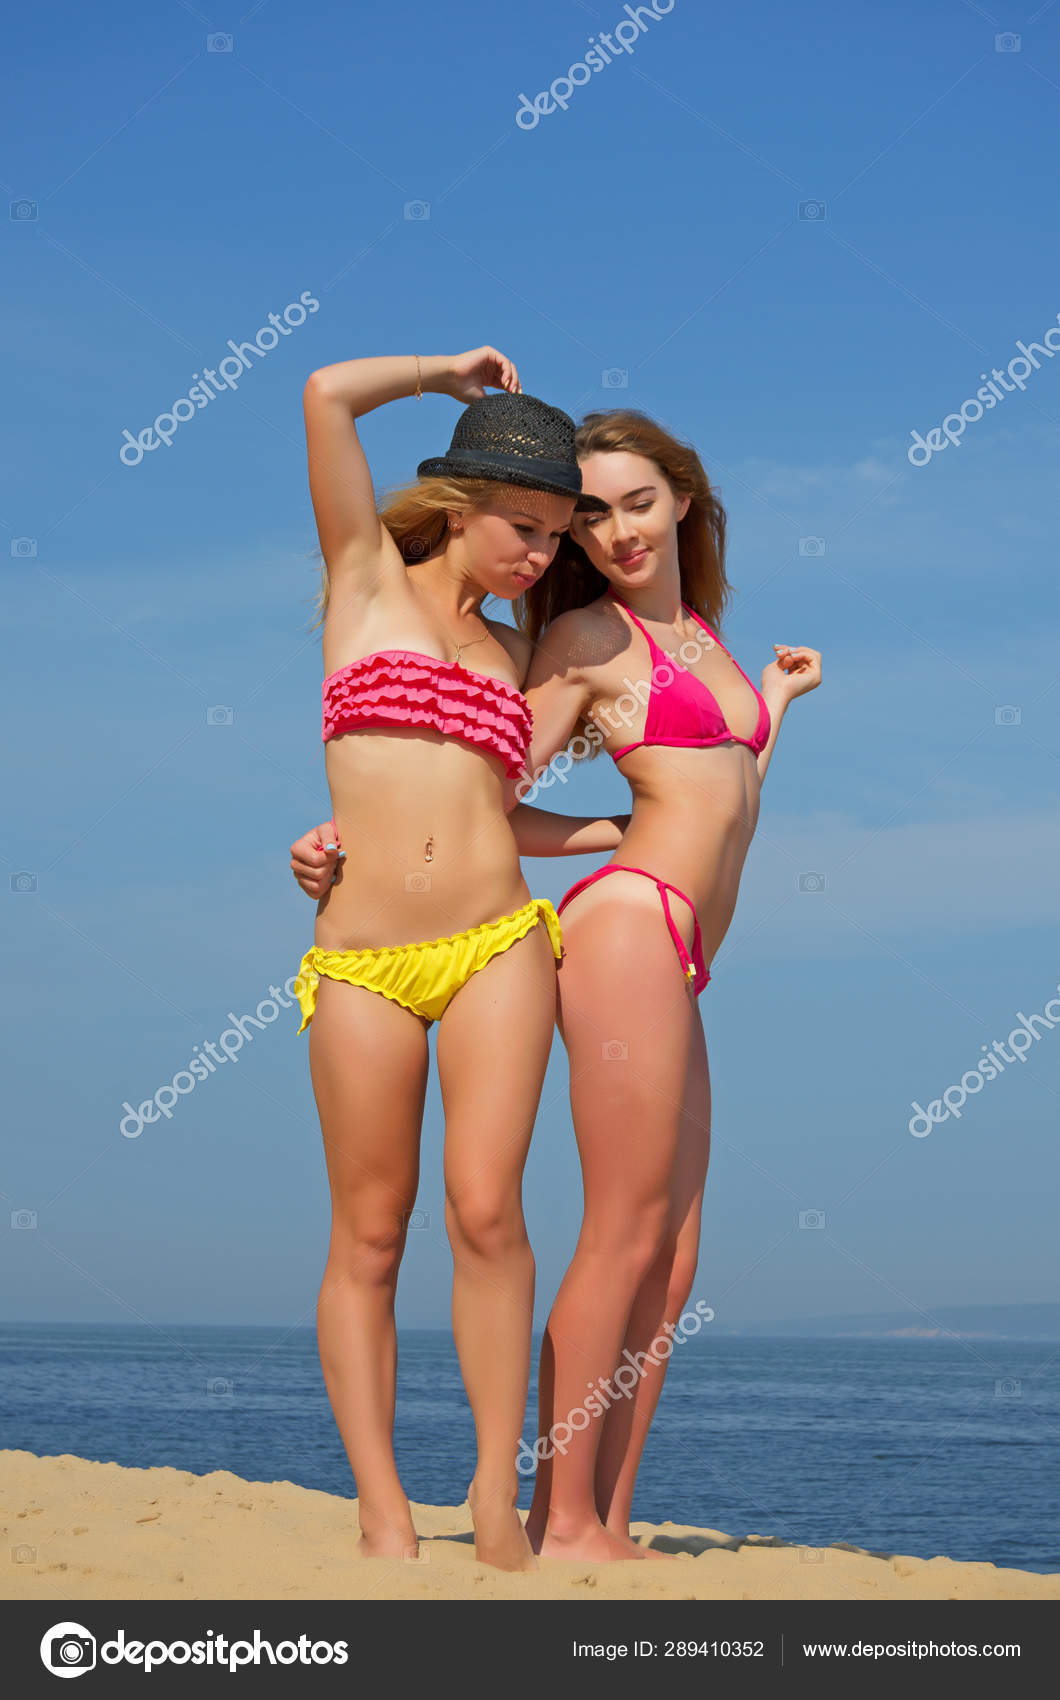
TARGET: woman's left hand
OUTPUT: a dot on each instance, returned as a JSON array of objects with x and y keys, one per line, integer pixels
[
  {"x": 470, "y": 374},
  {"x": 316, "y": 859},
  {"x": 794, "y": 672}
]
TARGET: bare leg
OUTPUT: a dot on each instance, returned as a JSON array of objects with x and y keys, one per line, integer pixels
[
  {"x": 493, "y": 1048},
  {"x": 628, "y": 1034},
  {"x": 368, "y": 1057},
  {"x": 660, "y": 1301},
  {"x": 537, "y": 1516}
]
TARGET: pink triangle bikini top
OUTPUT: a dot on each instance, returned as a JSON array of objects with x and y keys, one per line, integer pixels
[
  {"x": 401, "y": 687},
  {"x": 684, "y": 713}
]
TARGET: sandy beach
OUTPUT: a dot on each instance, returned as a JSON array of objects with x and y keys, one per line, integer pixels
[{"x": 78, "y": 1530}]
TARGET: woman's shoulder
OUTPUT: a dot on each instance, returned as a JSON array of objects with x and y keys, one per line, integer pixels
[
  {"x": 572, "y": 637},
  {"x": 572, "y": 626},
  {"x": 585, "y": 637}
]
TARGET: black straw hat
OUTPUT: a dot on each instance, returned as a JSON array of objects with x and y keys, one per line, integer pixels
[{"x": 514, "y": 439}]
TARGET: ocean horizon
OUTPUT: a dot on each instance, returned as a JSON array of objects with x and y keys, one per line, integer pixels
[{"x": 925, "y": 1447}]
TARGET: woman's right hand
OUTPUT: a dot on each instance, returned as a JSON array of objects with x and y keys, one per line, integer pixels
[
  {"x": 469, "y": 374},
  {"x": 316, "y": 859}
]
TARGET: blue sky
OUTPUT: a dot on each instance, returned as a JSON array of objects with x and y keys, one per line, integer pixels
[{"x": 174, "y": 197}]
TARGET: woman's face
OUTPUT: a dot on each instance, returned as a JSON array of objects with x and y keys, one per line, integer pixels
[
  {"x": 636, "y": 539},
  {"x": 509, "y": 543}
]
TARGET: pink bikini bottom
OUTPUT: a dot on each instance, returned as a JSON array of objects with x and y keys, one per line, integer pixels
[{"x": 694, "y": 967}]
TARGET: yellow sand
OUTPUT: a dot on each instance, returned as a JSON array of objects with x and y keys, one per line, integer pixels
[{"x": 75, "y": 1530}]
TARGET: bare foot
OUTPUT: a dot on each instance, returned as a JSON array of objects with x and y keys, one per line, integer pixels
[
  {"x": 388, "y": 1542},
  {"x": 592, "y": 1542},
  {"x": 500, "y": 1538}
]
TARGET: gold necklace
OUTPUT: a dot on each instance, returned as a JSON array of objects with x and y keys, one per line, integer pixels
[{"x": 462, "y": 646}]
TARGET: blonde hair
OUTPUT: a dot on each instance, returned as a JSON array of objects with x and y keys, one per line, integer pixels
[{"x": 417, "y": 518}]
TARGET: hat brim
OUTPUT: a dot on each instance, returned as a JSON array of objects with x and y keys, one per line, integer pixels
[{"x": 442, "y": 466}]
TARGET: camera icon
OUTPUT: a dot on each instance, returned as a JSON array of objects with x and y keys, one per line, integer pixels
[
  {"x": 812, "y": 209},
  {"x": 23, "y": 882},
  {"x": 417, "y": 209},
  {"x": 811, "y": 1218},
  {"x": 810, "y": 882},
  {"x": 614, "y": 1050},
  {"x": 23, "y": 209},
  {"x": 23, "y": 1555},
  {"x": 417, "y": 882},
  {"x": 1009, "y": 1388},
  {"x": 1008, "y": 715},
  {"x": 811, "y": 545},
  {"x": 414, "y": 548},
  {"x": 23, "y": 1218},
  {"x": 23, "y": 548},
  {"x": 218, "y": 1387},
  {"x": 811, "y": 1555},
  {"x": 415, "y": 1219},
  {"x": 219, "y": 43},
  {"x": 68, "y": 1649},
  {"x": 614, "y": 378},
  {"x": 220, "y": 715},
  {"x": 1008, "y": 43}
]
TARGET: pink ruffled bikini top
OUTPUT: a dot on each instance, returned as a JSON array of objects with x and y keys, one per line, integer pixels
[
  {"x": 684, "y": 712},
  {"x": 400, "y": 687}
]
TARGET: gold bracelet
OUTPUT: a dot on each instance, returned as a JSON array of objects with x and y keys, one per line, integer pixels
[{"x": 419, "y": 380}]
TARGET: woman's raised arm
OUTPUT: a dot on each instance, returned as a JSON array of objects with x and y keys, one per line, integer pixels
[
  {"x": 340, "y": 483},
  {"x": 348, "y": 525}
]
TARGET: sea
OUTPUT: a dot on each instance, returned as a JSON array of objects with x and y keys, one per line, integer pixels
[{"x": 922, "y": 1447}]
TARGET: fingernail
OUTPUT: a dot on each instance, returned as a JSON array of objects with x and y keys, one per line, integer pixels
[
  {"x": 331, "y": 847},
  {"x": 342, "y": 855}
]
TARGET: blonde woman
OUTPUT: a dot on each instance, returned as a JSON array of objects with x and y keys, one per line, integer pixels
[{"x": 432, "y": 920}]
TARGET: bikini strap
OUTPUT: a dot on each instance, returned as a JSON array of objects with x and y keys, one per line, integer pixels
[
  {"x": 679, "y": 943},
  {"x": 652, "y": 645},
  {"x": 687, "y": 606},
  {"x": 647, "y": 634}
]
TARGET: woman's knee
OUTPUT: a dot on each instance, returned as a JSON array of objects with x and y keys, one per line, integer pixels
[
  {"x": 367, "y": 1249},
  {"x": 630, "y": 1246},
  {"x": 485, "y": 1223}
]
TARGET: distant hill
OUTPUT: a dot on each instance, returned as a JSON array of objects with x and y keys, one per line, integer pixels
[{"x": 967, "y": 1322}]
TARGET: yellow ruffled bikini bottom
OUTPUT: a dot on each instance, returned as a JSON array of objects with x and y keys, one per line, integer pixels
[{"x": 424, "y": 977}]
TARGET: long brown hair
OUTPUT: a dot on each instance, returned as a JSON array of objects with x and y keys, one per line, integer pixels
[
  {"x": 572, "y": 581},
  {"x": 417, "y": 518}
]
